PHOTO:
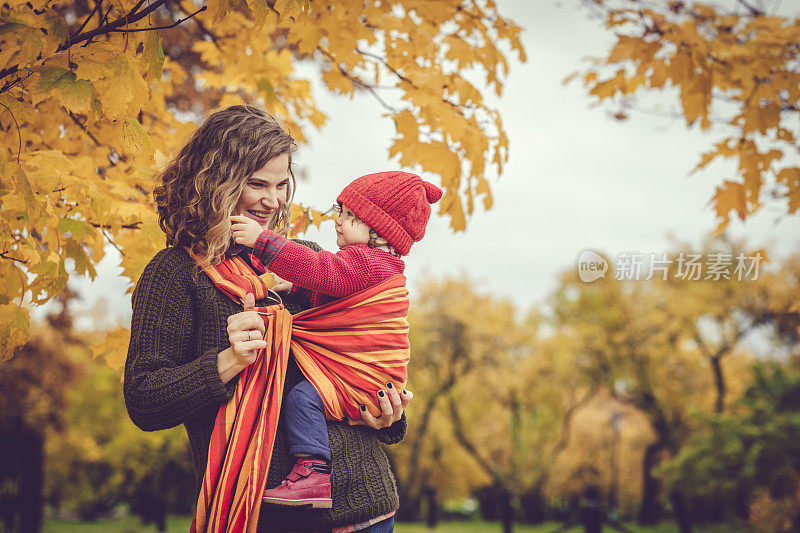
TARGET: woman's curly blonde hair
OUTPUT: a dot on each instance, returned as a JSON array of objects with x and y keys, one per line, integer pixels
[{"x": 201, "y": 186}]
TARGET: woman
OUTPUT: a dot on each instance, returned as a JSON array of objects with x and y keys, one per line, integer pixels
[{"x": 189, "y": 341}]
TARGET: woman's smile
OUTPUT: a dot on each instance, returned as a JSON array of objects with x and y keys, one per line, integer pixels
[{"x": 260, "y": 216}]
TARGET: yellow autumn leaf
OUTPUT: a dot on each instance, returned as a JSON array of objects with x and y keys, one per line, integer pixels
[
  {"x": 730, "y": 197},
  {"x": 14, "y": 329}
]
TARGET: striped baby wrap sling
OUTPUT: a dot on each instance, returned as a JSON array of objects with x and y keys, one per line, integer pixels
[{"x": 348, "y": 349}]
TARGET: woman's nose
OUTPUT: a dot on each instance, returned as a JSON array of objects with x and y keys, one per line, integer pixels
[{"x": 270, "y": 201}]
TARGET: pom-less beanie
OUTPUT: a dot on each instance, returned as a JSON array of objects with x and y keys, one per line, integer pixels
[{"x": 395, "y": 204}]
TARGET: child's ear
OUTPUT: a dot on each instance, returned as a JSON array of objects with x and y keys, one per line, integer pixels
[{"x": 380, "y": 241}]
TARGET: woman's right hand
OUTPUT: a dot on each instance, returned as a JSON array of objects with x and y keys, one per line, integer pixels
[{"x": 246, "y": 335}]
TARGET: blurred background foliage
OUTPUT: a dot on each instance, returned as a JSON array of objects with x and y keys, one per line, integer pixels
[{"x": 675, "y": 400}]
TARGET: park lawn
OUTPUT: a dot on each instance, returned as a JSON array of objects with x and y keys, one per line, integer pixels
[{"x": 180, "y": 524}]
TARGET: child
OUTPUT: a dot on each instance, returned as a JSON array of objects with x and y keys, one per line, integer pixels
[{"x": 379, "y": 217}]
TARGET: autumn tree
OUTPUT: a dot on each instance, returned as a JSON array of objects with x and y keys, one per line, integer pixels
[
  {"x": 33, "y": 394},
  {"x": 429, "y": 465},
  {"x": 734, "y": 73},
  {"x": 671, "y": 345},
  {"x": 722, "y": 308},
  {"x": 491, "y": 394},
  {"x": 95, "y": 95},
  {"x": 746, "y": 460}
]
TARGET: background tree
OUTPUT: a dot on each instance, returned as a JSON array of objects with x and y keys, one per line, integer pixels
[
  {"x": 33, "y": 396},
  {"x": 493, "y": 395},
  {"x": 734, "y": 71},
  {"x": 747, "y": 459},
  {"x": 102, "y": 460},
  {"x": 659, "y": 346},
  {"x": 67, "y": 441},
  {"x": 95, "y": 95},
  {"x": 428, "y": 465}
]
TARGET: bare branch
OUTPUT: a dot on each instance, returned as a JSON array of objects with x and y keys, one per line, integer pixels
[
  {"x": 85, "y": 22},
  {"x": 112, "y": 243},
  {"x": 131, "y": 17},
  {"x": 356, "y": 80},
  {"x": 8, "y": 257},
  {"x": 133, "y": 225},
  {"x": 752, "y": 9},
  {"x": 163, "y": 27},
  {"x": 470, "y": 447},
  {"x": 77, "y": 37},
  {"x": 19, "y": 134},
  {"x": 83, "y": 127},
  {"x": 385, "y": 63}
]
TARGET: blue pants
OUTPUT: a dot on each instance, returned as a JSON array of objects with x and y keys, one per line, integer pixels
[
  {"x": 306, "y": 429},
  {"x": 384, "y": 526}
]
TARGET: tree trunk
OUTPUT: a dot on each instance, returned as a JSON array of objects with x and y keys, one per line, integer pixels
[
  {"x": 410, "y": 504},
  {"x": 680, "y": 511},
  {"x": 22, "y": 451},
  {"x": 507, "y": 512},
  {"x": 649, "y": 509},
  {"x": 432, "y": 504},
  {"x": 719, "y": 382}
]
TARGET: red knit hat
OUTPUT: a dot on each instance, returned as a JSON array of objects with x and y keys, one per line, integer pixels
[{"x": 395, "y": 204}]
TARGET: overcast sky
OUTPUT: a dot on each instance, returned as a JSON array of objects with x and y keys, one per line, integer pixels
[{"x": 575, "y": 179}]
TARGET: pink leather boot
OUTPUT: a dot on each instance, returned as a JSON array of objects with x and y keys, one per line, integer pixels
[{"x": 308, "y": 484}]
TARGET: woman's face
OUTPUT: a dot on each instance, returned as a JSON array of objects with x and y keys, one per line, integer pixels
[{"x": 265, "y": 191}]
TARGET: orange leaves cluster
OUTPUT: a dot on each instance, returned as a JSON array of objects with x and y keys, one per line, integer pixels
[
  {"x": 94, "y": 97},
  {"x": 734, "y": 70},
  {"x": 426, "y": 50}
]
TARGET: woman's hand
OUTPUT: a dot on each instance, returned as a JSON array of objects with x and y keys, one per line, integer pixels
[
  {"x": 392, "y": 406},
  {"x": 246, "y": 335},
  {"x": 245, "y": 230}
]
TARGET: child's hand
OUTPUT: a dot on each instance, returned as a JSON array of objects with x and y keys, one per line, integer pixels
[
  {"x": 281, "y": 285},
  {"x": 245, "y": 230}
]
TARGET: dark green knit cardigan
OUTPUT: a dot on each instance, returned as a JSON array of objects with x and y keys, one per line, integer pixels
[{"x": 171, "y": 377}]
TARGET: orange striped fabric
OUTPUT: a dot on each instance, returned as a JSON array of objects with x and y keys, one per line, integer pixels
[{"x": 348, "y": 349}]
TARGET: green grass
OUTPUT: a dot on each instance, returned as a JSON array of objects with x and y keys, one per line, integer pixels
[
  {"x": 180, "y": 524},
  {"x": 175, "y": 524},
  {"x": 548, "y": 527}
]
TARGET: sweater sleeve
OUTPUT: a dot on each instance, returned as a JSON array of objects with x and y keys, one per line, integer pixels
[
  {"x": 334, "y": 274},
  {"x": 394, "y": 433},
  {"x": 162, "y": 385}
]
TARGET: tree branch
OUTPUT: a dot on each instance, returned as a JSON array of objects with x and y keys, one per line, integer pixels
[
  {"x": 356, "y": 80},
  {"x": 460, "y": 434},
  {"x": 133, "y": 225},
  {"x": 163, "y": 27},
  {"x": 85, "y": 22},
  {"x": 112, "y": 243},
  {"x": 385, "y": 63},
  {"x": 77, "y": 37},
  {"x": 19, "y": 135},
  {"x": 131, "y": 17},
  {"x": 8, "y": 257},
  {"x": 83, "y": 128},
  {"x": 752, "y": 9}
]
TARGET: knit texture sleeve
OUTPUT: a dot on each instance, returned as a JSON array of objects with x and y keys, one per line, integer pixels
[
  {"x": 334, "y": 274},
  {"x": 165, "y": 380},
  {"x": 268, "y": 246},
  {"x": 394, "y": 433}
]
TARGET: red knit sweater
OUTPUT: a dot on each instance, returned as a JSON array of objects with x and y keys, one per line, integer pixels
[{"x": 325, "y": 276}]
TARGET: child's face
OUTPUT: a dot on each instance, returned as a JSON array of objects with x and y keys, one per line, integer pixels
[{"x": 350, "y": 229}]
